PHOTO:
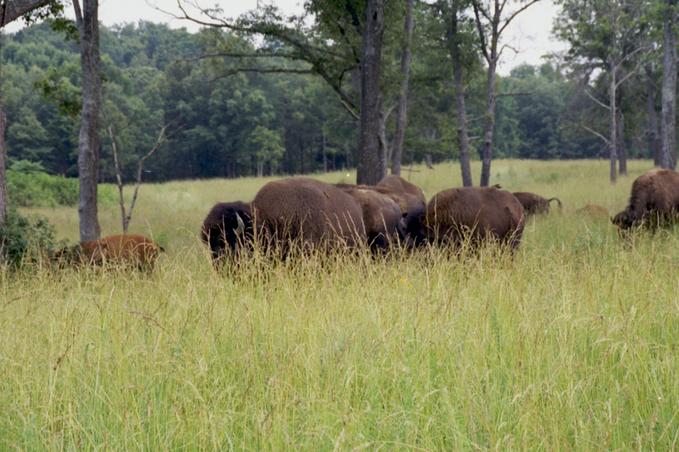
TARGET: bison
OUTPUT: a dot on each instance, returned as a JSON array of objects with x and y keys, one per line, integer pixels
[
  {"x": 128, "y": 250},
  {"x": 227, "y": 229},
  {"x": 477, "y": 214},
  {"x": 307, "y": 212},
  {"x": 535, "y": 204},
  {"x": 654, "y": 200},
  {"x": 413, "y": 204},
  {"x": 382, "y": 216}
]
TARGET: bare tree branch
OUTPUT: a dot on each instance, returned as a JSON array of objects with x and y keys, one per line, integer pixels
[
  {"x": 12, "y": 10},
  {"x": 606, "y": 140},
  {"x": 127, "y": 215},
  {"x": 598, "y": 102},
  {"x": 516, "y": 13},
  {"x": 78, "y": 13},
  {"x": 261, "y": 70},
  {"x": 479, "y": 26}
]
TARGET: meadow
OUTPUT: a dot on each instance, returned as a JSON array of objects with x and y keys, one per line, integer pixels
[{"x": 572, "y": 344}]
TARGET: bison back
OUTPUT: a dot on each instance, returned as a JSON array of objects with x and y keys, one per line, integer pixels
[
  {"x": 477, "y": 213},
  {"x": 309, "y": 211}
]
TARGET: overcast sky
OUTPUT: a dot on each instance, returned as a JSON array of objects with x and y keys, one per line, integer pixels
[{"x": 530, "y": 33}]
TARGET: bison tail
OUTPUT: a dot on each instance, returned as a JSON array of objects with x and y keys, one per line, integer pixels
[
  {"x": 162, "y": 250},
  {"x": 558, "y": 201}
]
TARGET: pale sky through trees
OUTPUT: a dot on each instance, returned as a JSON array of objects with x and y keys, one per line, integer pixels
[{"x": 529, "y": 34}]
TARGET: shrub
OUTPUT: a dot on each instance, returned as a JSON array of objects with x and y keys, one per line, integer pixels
[
  {"x": 29, "y": 186},
  {"x": 23, "y": 239}
]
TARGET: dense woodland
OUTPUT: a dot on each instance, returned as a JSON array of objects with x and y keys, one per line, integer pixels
[{"x": 226, "y": 123}]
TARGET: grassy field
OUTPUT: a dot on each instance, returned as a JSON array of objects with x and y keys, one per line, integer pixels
[{"x": 571, "y": 345}]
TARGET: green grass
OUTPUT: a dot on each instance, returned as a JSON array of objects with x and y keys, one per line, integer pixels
[{"x": 570, "y": 345}]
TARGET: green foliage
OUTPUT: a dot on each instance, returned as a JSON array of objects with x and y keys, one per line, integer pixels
[
  {"x": 29, "y": 186},
  {"x": 24, "y": 240}
]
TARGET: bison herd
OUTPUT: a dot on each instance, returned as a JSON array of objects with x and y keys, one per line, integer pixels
[{"x": 303, "y": 214}]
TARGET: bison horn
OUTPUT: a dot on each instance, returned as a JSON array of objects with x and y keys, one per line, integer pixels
[{"x": 241, "y": 225}]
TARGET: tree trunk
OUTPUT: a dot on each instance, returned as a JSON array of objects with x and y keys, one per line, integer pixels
[
  {"x": 652, "y": 121},
  {"x": 402, "y": 113},
  {"x": 462, "y": 133},
  {"x": 669, "y": 90},
  {"x": 371, "y": 151},
  {"x": 4, "y": 199},
  {"x": 88, "y": 144},
  {"x": 489, "y": 124},
  {"x": 622, "y": 150},
  {"x": 613, "y": 131}
]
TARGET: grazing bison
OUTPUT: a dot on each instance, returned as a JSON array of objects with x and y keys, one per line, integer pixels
[
  {"x": 594, "y": 211},
  {"x": 129, "y": 250},
  {"x": 533, "y": 204},
  {"x": 413, "y": 204},
  {"x": 228, "y": 225},
  {"x": 654, "y": 200},
  {"x": 382, "y": 216},
  {"x": 476, "y": 214},
  {"x": 307, "y": 212}
]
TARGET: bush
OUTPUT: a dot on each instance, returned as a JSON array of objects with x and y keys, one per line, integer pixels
[
  {"x": 24, "y": 240},
  {"x": 29, "y": 186}
]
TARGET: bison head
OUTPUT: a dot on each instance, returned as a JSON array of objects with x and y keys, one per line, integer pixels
[{"x": 624, "y": 220}]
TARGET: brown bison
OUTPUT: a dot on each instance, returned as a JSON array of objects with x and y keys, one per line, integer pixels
[
  {"x": 534, "y": 204},
  {"x": 654, "y": 200},
  {"x": 307, "y": 212},
  {"x": 477, "y": 214},
  {"x": 382, "y": 216},
  {"x": 129, "y": 250},
  {"x": 228, "y": 226},
  {"x": 413, "y": 204}
]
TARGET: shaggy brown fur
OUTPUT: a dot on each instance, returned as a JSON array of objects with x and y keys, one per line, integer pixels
[
  {"x": 309, "y": 211},
  {"x": 533, "y": 204},
  {"x": 654, "y": 200},
  {"x": 594, "y": 211},
  {"x": 409, "y": 196},
  {"x": 413, "y": 204},
  {"x": 130, "y": 250},
  {"x": 382, "y": 217},
  {"x": 476, "y": 214},
  {"x": 228, "y": 226}
]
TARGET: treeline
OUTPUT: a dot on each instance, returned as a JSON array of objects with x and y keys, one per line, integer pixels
[{"x": 226, "y": 118}]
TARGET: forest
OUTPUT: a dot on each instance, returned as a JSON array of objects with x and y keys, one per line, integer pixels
[{"x": 224, "y": 121}]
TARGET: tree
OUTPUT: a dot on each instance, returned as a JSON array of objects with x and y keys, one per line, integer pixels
[
  {"x": 87, "y": 20},
  {"x": 668, "y": 133},
  {"x": 402, "y": 112},
  {"x": 372, "y": 150},
  {"x": 607, "y": 35},
  {"x": 492, "y": 20},
  {"x": 9, "y": 12},
  {"x": 458, "y": 40}
]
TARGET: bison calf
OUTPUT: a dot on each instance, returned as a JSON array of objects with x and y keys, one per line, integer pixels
[
  {"x": 124, "y": 250},
  {"x": 475, "y": 214},
  {"x": 534, "y": 204},
  {"x": 654, "y": 200},
  {"x": 228, "y": 226}
]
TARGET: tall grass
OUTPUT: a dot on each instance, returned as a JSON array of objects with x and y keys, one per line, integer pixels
[{"x": 570, "y": 345}]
